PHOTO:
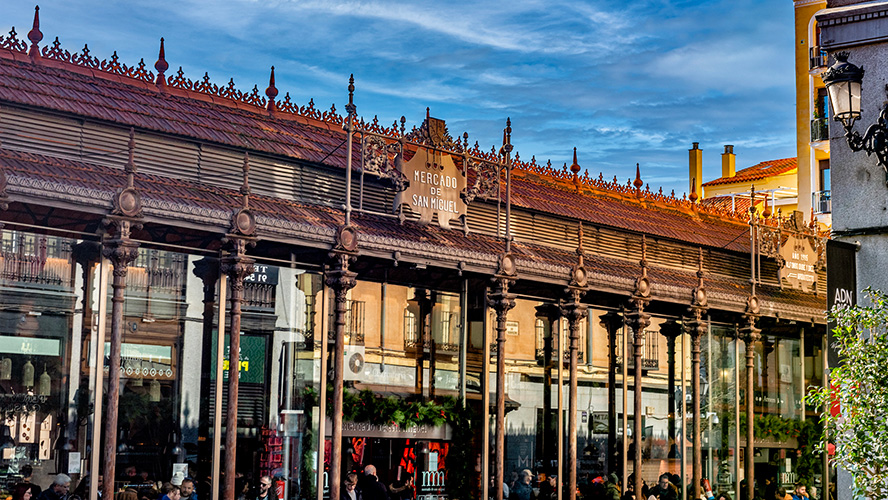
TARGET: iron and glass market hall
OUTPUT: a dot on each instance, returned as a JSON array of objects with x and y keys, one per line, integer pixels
[{"x": 394, "y": 296}]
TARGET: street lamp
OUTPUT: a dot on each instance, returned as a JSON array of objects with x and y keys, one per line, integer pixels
[{"x": 843, "y": 81}]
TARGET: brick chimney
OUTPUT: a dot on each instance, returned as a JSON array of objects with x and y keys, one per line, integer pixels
[
  {"x": 729, "y": 162},
  {"x": 695, "y": 169}
]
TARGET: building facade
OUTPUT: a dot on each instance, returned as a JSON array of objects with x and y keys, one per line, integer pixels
[{"x": 148, "y": 219}]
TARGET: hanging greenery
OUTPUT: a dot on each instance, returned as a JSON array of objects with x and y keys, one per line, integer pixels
[
  {"x": 365, "y": 406},
  {"x": 782, "y": 429}
]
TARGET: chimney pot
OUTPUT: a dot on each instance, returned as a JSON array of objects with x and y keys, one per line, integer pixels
[{"x": 729, "y": 162}]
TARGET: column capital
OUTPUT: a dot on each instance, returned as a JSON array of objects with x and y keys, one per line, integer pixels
[
  {"x": 500, "y": 299},
  {"x": 671, "y": 329},
  {"x": 611, "y": 321},
  {"x": 549, "y": 311}
]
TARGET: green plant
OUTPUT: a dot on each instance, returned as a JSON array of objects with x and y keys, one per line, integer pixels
[
  {"x": 365, "y": 406},
  {"x": 859, "y": 389}
]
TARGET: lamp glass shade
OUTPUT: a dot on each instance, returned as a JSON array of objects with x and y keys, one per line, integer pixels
[
  {"x": 844, "y": 99},
  {"x": 154, "y": 391},
  {"x": 5, "y": 369},
  {"x": 45, "y": 386},
  {"x": 28, "y": 374}
]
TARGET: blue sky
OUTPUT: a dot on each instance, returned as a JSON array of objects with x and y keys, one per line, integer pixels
[{"x": 625, "y": 82}]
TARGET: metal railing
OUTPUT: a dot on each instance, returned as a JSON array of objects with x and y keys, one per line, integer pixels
[
  {"x": 354, "y": 321},
  {"x": 818, "y": 57},
  {"x": 650, "y": 352},
  {"x": 821, "y": 202},
  {"x": 36, "y": 259},
  {"x": 819, "y": 129}
]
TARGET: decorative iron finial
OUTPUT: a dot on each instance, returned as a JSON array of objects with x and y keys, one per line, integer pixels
[
  {"x": 404, "y": 124},
  {"x": 693, "y": 196},
  {"x": 271, "y": 92},
  {"x": 638, "y": 182},
  {"x": 35, "y": 35},
  {"x": 752, "y": 201},
  {"x": 245, "y": 187},
  {"x": 130, "y": 167},
  {"x": 700, "y": 269},
  {"x": 643, "y": 262},
  {"x": 575, "y": 167},
  {"x": 767, "y": 211},
  {"x": 350, "y": 108},
  {"x": 161, "y": 66},
  {"x": 127, "y": 201},
  {"x": 580, "y": 250}
]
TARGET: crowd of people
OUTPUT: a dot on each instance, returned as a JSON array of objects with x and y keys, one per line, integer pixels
[
  {"x": 524, "y": 485},
  {"x": 368, "y": 486}
]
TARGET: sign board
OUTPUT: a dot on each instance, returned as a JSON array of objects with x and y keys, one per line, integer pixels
[
  {"x": 392, "y": 431},
  {"x": 263, "y": 274},
  {"x": 144, "y": 361},
  {"x": 841, "y": 283},
  {"x": 29, "y": 345},
  {"x": 799, "y": 260},
  {"x": 252, "y": 359},
  {"x": 434, "y": 187}
]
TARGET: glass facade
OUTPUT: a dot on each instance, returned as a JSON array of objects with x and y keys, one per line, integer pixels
[{"x": 403, "y": 341}]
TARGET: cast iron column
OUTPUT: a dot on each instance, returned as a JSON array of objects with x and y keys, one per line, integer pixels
[
  {"x": 750, "y": 335},
  {"x": 575, "y": 312},
  {"x": 550, "y": 314},
  {"x": 121, "y": 250},
  {"x": 671, "y": 329},
  {"x": 207, "y": 269},
  {"x": 696, "y": 326},
  {"x": 501, "y": 301},
  {"x": 638, "y": 320},
  {"x": 237, "y": 266},
  {"x": 612, "y": 322},
  {"x": 340, "y": 279}
]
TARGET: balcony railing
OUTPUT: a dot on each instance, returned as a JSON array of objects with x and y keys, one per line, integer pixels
[
  {"x": 819, "y": 129},
  {"x": 36, "y": 259},
  {"x": 821, "y": 202},
  {"x": 354, "y": 321},
  {"x": 818, "y": 57},
  {"x": 650, "y": 352}
]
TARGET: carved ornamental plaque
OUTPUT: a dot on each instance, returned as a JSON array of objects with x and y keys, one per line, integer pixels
[
  {"x": 435, "y": 183},
  {"x": 799, "y": 263}
]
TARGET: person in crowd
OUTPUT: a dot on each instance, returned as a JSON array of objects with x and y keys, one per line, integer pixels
[
  {"x": 800, "y": 492},
  {"x": 522, "y": 489},
  {"x": 28, "y": 471},
  {"x": 129, "y": 493},
  {"x": 350, "y": 489},
  {"x": 812, "y": 492},
  {"x": 58, "y": 490},
  {"x": 664, "y": 489},
  {"x": 403, "y": 489},
  {"x": 264, "y": 492},
  {"x": 371, "y": 487},
  {"x": 491, "y": 489},
  {"x": 780, "y": 494},
  {"x": 723, "y": 496},
  {"x": 186, "y": 489},
  {"x": 22, "y": 492},
  {"x": 612, "y": 488},
  {"x": 172, "y": 492},
  {"x": 631, "y": 486},
  {"x": 549, "y": 490}
]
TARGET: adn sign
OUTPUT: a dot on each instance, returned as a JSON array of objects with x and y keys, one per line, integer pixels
[{"x": 435, "y": 184}]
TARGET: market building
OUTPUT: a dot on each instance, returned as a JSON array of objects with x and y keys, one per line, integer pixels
[{"x": 148, "y": 218}]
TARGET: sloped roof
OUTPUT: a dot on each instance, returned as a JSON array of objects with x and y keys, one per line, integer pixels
[
  {"x": 54, "y": 175},
  {"x": 762, "y": 170},
  {"x": 191, "y": 111}
]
